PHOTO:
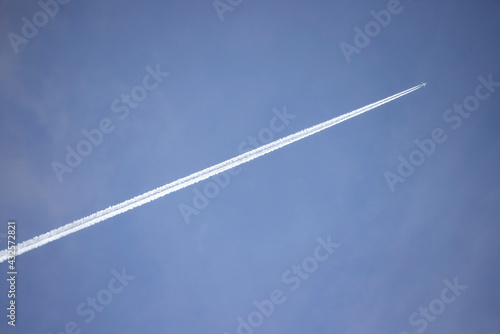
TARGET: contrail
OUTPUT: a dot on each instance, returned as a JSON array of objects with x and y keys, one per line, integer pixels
[{"x": 184, "y": 182}]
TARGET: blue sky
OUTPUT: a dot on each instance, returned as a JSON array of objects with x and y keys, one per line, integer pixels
[{"x": 399, "y": 248}]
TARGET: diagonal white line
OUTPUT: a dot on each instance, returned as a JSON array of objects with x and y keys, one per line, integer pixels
[{"x": 184, "y": 182}]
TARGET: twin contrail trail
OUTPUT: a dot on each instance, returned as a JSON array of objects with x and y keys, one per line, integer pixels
[{"x": 184, "y": 182}]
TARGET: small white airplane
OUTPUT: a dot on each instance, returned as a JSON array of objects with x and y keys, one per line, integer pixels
[{"x": 424, "y": 83}]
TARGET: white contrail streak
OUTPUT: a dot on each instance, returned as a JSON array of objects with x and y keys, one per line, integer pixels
[{"x": 149, "y": 196}]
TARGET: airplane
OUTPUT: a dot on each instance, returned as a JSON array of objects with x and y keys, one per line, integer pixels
[{"x": 424, "y": 83}]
